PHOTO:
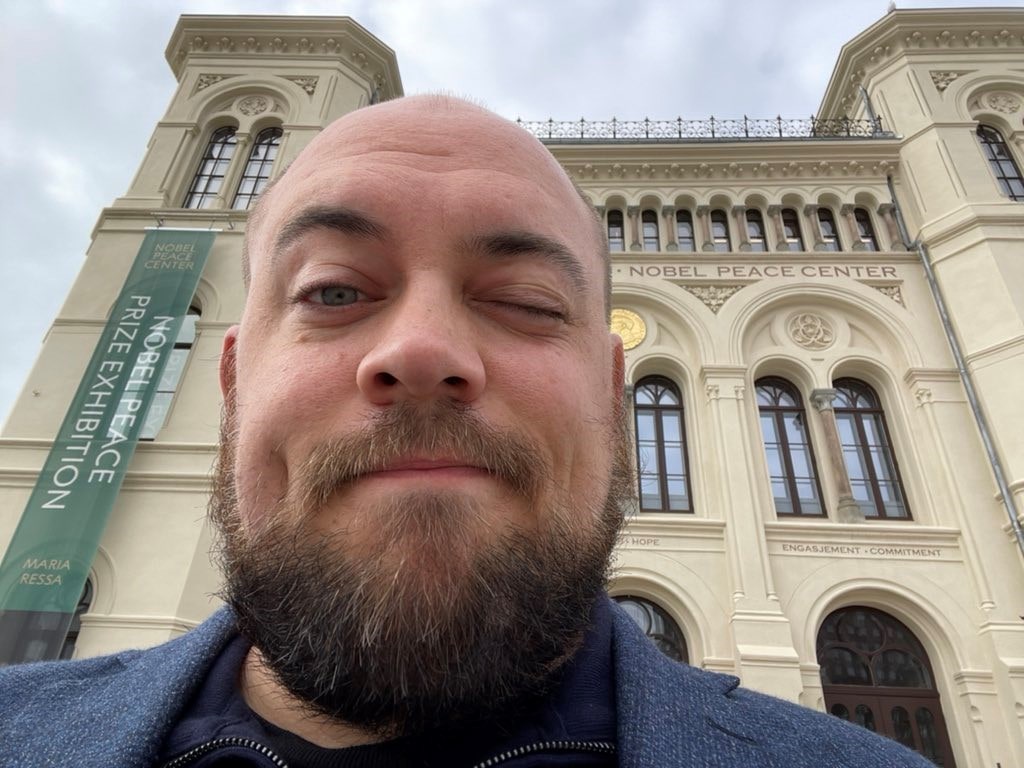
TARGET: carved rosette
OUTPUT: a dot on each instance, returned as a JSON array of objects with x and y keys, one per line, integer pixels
[
  {"x": 1001, "y": 101},
  {"x": 254, "y": 105},
  {"x": 713, "y": 296},
  {"x": 942, "y": 80},
  {"x": 811, "y": 331}
]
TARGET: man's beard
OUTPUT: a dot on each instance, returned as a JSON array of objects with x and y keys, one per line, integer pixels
[{"x": 432, "y": 619}]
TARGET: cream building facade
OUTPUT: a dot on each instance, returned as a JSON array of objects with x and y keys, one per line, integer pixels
[{"x": 819, "y": 512}]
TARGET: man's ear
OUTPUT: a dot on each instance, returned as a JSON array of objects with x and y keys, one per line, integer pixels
[{"x": 228, "y": 363}]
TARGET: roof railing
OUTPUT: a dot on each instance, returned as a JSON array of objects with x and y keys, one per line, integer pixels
[{"x": 710, "y": 129}]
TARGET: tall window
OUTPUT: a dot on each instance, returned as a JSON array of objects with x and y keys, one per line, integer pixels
[
  {"x": 657, "y": 625},
  {"x": 867, "y": 450},
  {"x": 1001, "y": 162},
  {"x": 720, "y": 231},
  {"x": 661, "y": 447},
  {"x": 649, "y": 224},
  {"x": 213, "y": 166},
  {"x": 787, "y": 444},
  {"x": 865, "y": 232},
  {"x": 755, "y": 230},
  {"x": 684, "y": 231},
  {"x": 876, "y": 673},
  {"x": 829, "y": 232},
  {"x": 168, "y": 383},
  {"x": 257, "y": 170},
  {"x": 71, "y": 638},
  {"x": 791, "y": 230},
  {"x": 616, "y": 231}
]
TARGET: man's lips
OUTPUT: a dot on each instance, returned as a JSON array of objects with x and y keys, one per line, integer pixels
[{"x": 427, "y": 469}]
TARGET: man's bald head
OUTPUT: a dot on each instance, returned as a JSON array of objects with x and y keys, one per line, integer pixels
[{"x": 432, "y": 104}]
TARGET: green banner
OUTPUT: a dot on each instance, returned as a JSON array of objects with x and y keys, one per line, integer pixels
[{"x": 48, "y": 560}]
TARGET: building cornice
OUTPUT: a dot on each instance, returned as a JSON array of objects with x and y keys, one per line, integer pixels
[
  {"x": 336, "y": 39},
  {"x": 918, "y": 33}
]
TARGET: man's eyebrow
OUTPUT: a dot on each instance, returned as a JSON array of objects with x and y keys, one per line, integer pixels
[
  {"x": 339, "y": 218},
  {"x": 518, "y": 243}
]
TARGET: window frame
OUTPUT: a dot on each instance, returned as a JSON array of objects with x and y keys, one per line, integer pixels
[
  {"x": 778, "y": 414},
  {"x": 222, "y": 140},
  {"x": 858, "y": 413},
  {"x": 620, "y": 226},
  {"x": 755, "y": 221},
  {"x": 686, "y": 244},
  {"x": 792, "y": 233},
  {"x": 650, "y": 231},
  {"x": 865, "y": 229},
  {"x": 720, "y": 218},
  {"x": 658, "y": 410},
  {"x": 270, "y": 140},
  {"x": 655, "y": 613},
  {"x": 832, "y": 242},
  {"x": 991, "y": 146},
  {"x": 151, "y": 429}
]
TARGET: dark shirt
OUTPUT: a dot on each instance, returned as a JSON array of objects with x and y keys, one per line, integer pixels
[{"x": 580, "y": 709}]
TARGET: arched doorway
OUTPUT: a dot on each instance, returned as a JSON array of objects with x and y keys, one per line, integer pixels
[{"x": 875, "y": 673}]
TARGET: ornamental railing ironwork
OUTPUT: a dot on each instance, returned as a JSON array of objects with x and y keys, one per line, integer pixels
[{"x": 710, "y": 129}]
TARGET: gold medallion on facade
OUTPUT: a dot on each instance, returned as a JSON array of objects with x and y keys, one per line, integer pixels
[{"x": 630, "y": 327}]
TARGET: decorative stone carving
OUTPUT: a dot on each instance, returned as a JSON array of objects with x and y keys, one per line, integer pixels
[
  {"x": 629, "y": 326},
  {"x": 811, "y": 331},
  {"x": 892, "y": 291},
  {"x": 923, "y": 396},
  {"x": 205, "y": 81},
  {"x": 331, "y": 46},
  {"x": 254, "y": 105},
  {"x": 712, "y": 391},
  {"x": 305, "y": 82},
  {"x": 1001, "y": 101},
  {"x": 713, "y": 296},
  {"x": 943, "y": 79}
]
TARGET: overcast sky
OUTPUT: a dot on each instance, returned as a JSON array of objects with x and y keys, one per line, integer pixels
[{"x": 73, "y": 129}]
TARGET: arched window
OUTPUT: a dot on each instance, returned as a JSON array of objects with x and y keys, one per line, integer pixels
[
  {"x": 210, "y": 175},
  {"x": 867, "y": 450},
  {"x": 84, "y": 602},
  {"x": 720, "y": 231},
  {"x": 876, "y": 673},
  {"x": 257, "y": 169},
  {"x": 661, "y": 447},
  {"x": 684, "y": 231},
  {"x": 865, "y": 231},
  {"x": 791, "y": 230},
  {"x": 755, "y": 230},
  {"x": 787, "y": 445},
  {"x": 649, "y": 224},
  {"x": 168, "y": 383},
  {"x": 829, "y": 232},
  {"x": 616, "y": 231},
  {"x": 1001, "y": 162},
  {"x": 657, "y": 625}
]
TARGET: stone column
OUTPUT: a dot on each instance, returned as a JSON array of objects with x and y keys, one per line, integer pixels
[
  {"x": 811, "y": 216},
  {"x": 851, "y": 226},
  {"x": 885, "y": 211},
  {"x": 668, "y": 213},
  {"x": 775, "y": 214},
  {"x": 704, "y": 225},
  {"x": 633, "y": 212},
  {"x": 739, "y": 214},
  {"x": 847, "y": 510}
]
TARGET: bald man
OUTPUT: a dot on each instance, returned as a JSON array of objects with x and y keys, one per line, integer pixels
[{"x": 422, "y": 473}]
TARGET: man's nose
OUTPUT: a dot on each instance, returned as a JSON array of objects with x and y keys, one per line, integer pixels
[{"x": 427, "y": 350}]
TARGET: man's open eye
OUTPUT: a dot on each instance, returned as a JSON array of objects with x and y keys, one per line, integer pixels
[{"x": 335, "y": 295}]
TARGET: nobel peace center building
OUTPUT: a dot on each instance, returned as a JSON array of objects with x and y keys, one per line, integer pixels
[{"x": 824, "y": 331}]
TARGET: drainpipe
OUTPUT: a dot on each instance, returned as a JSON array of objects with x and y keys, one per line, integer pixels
[{"x": 961, "y": 368}]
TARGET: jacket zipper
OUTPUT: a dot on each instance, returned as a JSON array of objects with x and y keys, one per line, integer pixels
[
  {"x": 228, "y": 741},
  {"x": 602, "y": 747}
]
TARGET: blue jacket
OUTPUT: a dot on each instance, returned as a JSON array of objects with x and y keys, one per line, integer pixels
[{"x": 115, "y": 711}]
